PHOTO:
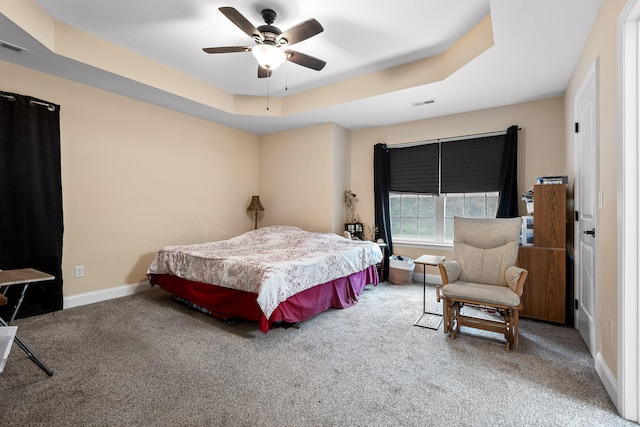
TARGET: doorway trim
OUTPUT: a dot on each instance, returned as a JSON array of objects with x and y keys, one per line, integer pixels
[{"x": 628, "y": 375}]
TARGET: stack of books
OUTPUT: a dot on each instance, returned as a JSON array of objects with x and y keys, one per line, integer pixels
[{"x": 564, "y": 179}]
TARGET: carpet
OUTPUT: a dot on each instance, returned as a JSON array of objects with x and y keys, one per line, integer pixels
[{"x": 146, "y": 360}]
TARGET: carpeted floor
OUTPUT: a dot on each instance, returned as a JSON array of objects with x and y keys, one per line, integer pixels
[{"x": 146, "y": 360}]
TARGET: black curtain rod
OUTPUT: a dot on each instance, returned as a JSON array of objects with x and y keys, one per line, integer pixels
[
  {"x": 475, "y": 135},
  {"x": 49, "y": 106},
  {"x": 452, "y": 138}
]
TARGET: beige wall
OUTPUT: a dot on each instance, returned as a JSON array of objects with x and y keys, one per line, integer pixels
[
  {"x": 541, "y": 148},
  {"x": 138, "y": 177},
  {"x": 302, "y": 177},
  {"x": 602, "y": 44}
]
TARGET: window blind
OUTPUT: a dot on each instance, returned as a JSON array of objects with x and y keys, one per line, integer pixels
[
  {"x": 465, "y": 165},
  {"x": 415, "y": 169},
  {"x": 472, "y": 165}
]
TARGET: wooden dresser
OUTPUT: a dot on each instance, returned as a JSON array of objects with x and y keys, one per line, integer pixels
[{"x": 545, "y": 291}]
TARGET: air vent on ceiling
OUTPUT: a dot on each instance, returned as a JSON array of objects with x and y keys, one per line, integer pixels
[
  {"x": 12, "y": 47},
  {"x": 420, "y": 103}
]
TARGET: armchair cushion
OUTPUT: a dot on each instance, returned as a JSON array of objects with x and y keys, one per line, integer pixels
[{"x": 486, "y": 294}]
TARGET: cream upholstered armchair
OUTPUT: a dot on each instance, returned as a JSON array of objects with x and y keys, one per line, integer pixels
[{"x": 483, "y": 274}]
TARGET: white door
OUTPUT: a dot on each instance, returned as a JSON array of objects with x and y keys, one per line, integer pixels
[{"x": 586, "y": 200}]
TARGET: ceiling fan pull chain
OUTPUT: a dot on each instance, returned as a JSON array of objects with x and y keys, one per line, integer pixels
[
  {"x": 267, "y": 95},
  {"x": 286, "y": 76}
]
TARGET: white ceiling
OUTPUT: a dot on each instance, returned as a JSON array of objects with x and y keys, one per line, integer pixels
[{"x": 536, "y": 46}]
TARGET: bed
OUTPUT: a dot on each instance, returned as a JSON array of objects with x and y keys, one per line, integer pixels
[{"x": 273, "y": 275}]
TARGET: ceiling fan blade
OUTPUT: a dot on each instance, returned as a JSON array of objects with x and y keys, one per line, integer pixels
[
  {"x": 263, "y": 72},
  {"x": 302, "y": 31},
  {"x": 227, "y": 49},
  {"x": 305, "y": 60},
  {"x": 241, "y": 22}
]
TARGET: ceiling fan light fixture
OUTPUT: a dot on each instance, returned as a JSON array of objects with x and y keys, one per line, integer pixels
[{"x": 269, "y": 56}]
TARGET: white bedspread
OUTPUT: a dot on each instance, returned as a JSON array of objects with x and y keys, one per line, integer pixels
[{"x": 275, "y": 262}]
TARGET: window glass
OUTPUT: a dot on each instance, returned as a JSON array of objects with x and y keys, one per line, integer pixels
[
  {"x": 427, "y": 229},
  {"x": 429, "y": 218}
]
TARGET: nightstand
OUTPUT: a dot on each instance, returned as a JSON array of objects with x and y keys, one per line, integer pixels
[{"x": 383, "y": 263}]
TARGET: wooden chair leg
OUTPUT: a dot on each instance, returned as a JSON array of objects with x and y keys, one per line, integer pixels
[
  {"x": 446, "y": 315},
  {"x": 516, "y": 318},
  {"x": 455, "y": 311},
  {"x": 509, "y": 329},
  {"x": 511, "y": 318}
]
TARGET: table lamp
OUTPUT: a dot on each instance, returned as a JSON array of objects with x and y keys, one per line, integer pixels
[{"x": 256, "y": 206}]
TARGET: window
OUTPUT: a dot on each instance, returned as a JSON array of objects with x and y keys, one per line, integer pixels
[
  {"x": 420, "y": 186},
  {"x": 429, "y": 218},
  {"x": 431, "y": 182}
]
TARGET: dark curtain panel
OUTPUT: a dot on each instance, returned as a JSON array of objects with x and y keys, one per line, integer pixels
[
  {"x": 31, "y": 223},
  {"x": 508, "y": 204},
  {"x": 415, "y": 169},
  {"x": 381, "y": 198}
]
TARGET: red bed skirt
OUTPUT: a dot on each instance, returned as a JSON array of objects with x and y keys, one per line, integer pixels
[{"x": 225, "y": 303}]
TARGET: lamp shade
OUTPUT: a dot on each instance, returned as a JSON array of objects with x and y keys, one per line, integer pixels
[
  {"x": 255, "y": 204},
  {"x": 268, "y": 56}
]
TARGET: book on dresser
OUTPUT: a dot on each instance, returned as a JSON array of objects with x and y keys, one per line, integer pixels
[{"x": 545, "y": 290}]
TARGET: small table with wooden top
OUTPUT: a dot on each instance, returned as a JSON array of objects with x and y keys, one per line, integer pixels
[
  {"x": 433, "y": 260},
  {"x": 24, "y": 277}
]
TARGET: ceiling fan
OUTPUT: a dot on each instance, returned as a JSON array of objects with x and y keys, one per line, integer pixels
[{"x": 270, "y": 41}]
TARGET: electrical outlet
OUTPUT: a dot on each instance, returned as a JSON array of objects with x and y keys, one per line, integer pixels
[
  {"x": 79, "y": 270},
  {"x": 610, "y": 330}
]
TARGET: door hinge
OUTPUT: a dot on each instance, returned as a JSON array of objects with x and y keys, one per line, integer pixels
[
  {"x": 576, "y": 215},
  {"x": 575, "y": 304},
  {"x": 577, "y": 127}
]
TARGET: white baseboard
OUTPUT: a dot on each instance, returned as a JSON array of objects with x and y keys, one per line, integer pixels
[
  {"x": 105, "y": 294},
  {"x": 607, "y": 378}
]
